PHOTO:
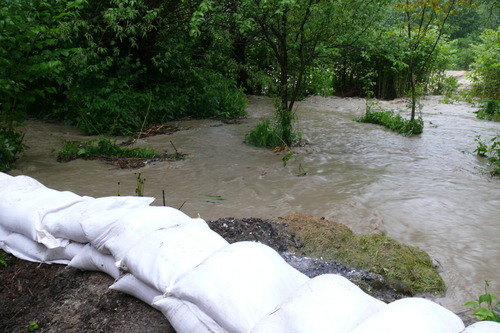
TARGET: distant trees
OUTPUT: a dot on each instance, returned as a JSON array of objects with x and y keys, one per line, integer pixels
[{"x": 114, "y": 66}]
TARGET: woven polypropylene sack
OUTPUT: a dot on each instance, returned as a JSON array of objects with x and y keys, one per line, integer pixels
[
  {"x": 412, "y": 315},
  {"x": 238, "y": 285},
  {"x": 327, "y": 303}
]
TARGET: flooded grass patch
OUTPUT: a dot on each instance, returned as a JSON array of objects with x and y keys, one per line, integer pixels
[
  {"x": 109, "y": 151},
  {"x": 407, "y": 268}
]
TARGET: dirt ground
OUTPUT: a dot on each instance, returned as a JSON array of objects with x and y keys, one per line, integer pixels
[{"x": 61, "y": 299}]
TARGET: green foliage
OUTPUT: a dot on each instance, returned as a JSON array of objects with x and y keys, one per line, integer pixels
[
  {"x": 492, "y": 310},
  {"x": 441, "y": 84},
  {"x": 4, "y": 258},
  {"x": 11, "y": 145},
  {"x": 277, "y": 133},
  {"x": 33, "y": 326},
  {"x": 485, "y": 70},
  {"x": 111, "y": 66},
  {"x": 491, "y": 152},
  {"x": 489, "y": 110},
  {"x": 377, "y": 115},
  {"x": 101, "y": 147},
  {"x": 264, "y": 134}
]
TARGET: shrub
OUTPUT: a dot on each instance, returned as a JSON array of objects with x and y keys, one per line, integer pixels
[
  {"x": 491, "y": 152},
  {"x": 392, "y": 121},
  {"x": 264, "y": 134},
  {"x": 489, "y": 110},
  {"x": 11, "y": 145},
  {"x": 485, "y": 70}
]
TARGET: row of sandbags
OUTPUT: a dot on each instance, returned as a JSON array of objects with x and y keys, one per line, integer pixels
[{"x": 200, "y": 282}]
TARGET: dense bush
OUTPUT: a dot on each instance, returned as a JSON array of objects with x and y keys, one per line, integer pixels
[
  {"x": 485, "y": 70},
  {"x": 113, "y": 66},
  {"x": 489, "y": 110},
  {"x": 11, "y": 145}
]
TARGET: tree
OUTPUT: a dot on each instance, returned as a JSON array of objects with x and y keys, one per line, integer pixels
[
  {"x": 422, "y": 23},
  {"x": 297, "y": 32},
  {"x": 486, "y": 66}
]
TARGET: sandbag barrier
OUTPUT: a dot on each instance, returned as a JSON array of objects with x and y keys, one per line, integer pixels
[{"x": 199, "y": 281}]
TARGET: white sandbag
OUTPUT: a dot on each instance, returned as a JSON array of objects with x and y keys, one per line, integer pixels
[
  {"x": 23, "y": 204},
  {"x": 130, "y": 285},
  {"x": 327, "y": 303},
  {"x": 89, "y": 259},
  {"x": 238, "y": 285},
  {"x": 412, "y": 315},
  {"x": 4, "y": 233},
  {"x": 26, "y": 249},
  {"x": 4, "y": 176},
  {"x": 63, "y": 254},
  {"x": 483, "y": 327},
  {"x": 186, "y": 317},
  {"x": 117, "y": 236},
  {"x": 67, "y": 223},
  {"x": 160, "y": 257}
]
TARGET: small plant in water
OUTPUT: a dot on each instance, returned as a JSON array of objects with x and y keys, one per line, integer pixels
[
  {"x": 491, "y": 311},
  {"x": 139, "y": 190},
  {"x": 490, "y": 152}
]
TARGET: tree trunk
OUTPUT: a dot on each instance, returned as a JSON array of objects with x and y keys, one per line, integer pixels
[
  {"x": 285, "y": 113},
  {"x": 413, "y": 88}
]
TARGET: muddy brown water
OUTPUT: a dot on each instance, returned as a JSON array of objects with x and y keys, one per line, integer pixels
[{"x": 430, "y": 191}]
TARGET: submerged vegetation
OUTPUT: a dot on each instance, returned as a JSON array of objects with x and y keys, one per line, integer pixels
[
  {"x": 96, "y": 148},
  {"x": 409, "y": 269},
  {"x": 109, "y": 150},
  {"x": 491, "y": 152},
  {"x": 375, "y": 114},
  {"x": 489, "y": 110}
]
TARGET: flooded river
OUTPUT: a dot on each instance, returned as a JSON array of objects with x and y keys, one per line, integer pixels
[{"x": 430, "y": 191}]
